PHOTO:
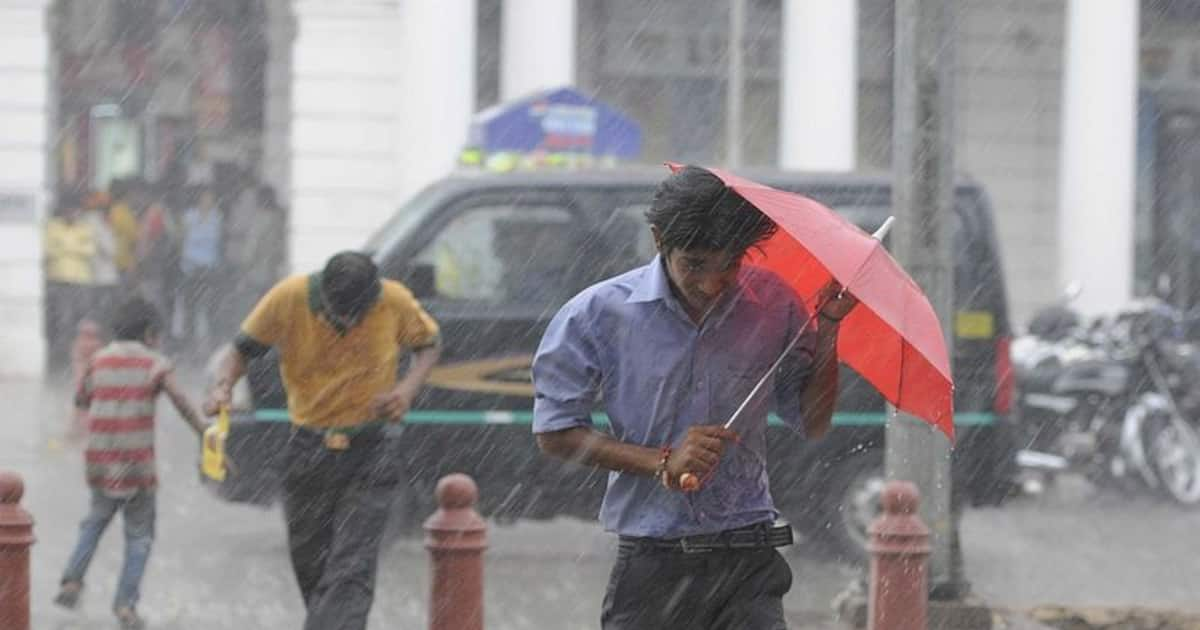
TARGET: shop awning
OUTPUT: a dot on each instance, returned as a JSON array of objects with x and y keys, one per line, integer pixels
[{"x": 561, "y": 120}]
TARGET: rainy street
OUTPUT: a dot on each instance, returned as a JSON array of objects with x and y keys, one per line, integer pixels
[
  {"x": 845, "y": 262},
  {"x": 220, "y": 566}
]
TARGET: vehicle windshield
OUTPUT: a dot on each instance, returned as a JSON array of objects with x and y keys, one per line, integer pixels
[{"x": 402, "y": 221}]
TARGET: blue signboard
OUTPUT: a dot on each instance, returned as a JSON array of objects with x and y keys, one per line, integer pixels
[{"x": 561, "y": 120}]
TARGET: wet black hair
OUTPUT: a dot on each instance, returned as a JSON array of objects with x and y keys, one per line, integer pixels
[
  {"x": 134, "y": 319},
  {"x": 350, "y": 283},
  {"x": 693, "y": 209}
]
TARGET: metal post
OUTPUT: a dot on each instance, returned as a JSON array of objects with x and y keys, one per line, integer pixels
[
  {"x": 899, "y": 549},
  {"x": 733, "y": 84},
  {"x": 16, "y": 536},
  {"x": 923, "y": 197},
  {"x": 456, "y": 538}
]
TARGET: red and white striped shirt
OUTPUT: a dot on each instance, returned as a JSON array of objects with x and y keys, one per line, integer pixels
[{"x": 119, "y": 388}]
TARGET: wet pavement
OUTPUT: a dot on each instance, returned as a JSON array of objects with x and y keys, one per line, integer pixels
[{"x": 218, "y": 566}]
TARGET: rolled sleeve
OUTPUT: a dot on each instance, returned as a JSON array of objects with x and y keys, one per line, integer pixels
[
  {"x": 566, "y": 374},
  {"x": 417, "y": 329}
]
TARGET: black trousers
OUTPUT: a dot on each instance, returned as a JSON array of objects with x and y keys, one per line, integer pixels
[
  {"x": 740, "y": 589},
  {"x": 336, "y": 504}
]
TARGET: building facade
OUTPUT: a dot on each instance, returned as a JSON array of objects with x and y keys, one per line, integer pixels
[{"x": 348, "y": 107}]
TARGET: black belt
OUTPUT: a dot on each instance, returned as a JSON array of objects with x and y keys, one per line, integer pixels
[
  {"x": 758, "y": 536},
  {"x": 340, "y": 438}
]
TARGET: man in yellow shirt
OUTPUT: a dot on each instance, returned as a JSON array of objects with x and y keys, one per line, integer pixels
[
  {"x": 124, "y": 222},
  {"x": 69, "y": 245},
  {"x": 339, "y": 334}
]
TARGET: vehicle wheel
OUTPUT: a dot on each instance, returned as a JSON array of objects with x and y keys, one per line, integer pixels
[
  {"x": 851, "y": 502},
  {"x": 1174, "y": 453}
]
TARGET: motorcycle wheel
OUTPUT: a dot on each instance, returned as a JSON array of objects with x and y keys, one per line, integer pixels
[
  {"x": 850, "y": 504},
  {"x": 1174, "y": 453}
]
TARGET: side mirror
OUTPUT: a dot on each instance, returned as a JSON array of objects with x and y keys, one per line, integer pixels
[{"x": 420, "y": 279}]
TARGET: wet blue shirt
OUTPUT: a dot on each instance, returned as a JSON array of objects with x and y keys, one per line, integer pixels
[{"x": 627, "y": 347}]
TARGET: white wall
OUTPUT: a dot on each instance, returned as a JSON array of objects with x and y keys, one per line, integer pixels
[
  {"x": 538, "y": 41},
  {"x": 1096, "y": 193},
  {"x": 382, "y": 92},
  {"x": 818, "y": 86},
  {"x": 24, "y": 119},
  {"x": 1009, "y": 92}
]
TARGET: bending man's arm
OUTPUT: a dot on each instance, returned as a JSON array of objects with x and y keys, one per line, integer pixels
[{"x": 230, "y": 369}]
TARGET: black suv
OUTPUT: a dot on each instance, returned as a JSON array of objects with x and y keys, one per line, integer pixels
[{"x": 493, "y": 257}]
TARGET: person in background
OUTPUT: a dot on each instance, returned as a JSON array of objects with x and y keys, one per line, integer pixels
[
  {"x": 123, "y": 219},
  {"x": 157, "y": 252},
  {"x": 200, "y": 263},
  {"x": 263, "y": 255},
  {"x": 106, "y": 276},
  {"x": 69, "y": 246},
  {"x": 119, "y": 389}
]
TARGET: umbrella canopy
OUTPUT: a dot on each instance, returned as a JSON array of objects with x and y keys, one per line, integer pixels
[{"x": 892, "y": 338}]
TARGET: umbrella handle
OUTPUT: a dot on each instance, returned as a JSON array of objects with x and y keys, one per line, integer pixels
[{"x": 689, "y": 482}]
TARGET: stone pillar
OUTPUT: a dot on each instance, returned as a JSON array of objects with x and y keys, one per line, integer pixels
[
  {"x": 1096, "y": 182},
  {"x": 818, "y": 85},
  {"x": 24, "y": 182},
  {"x": 537, "y": 46},
  {"x": 456, "y": 538},
  {"x": 347, "y": 64},
  {"x": 438, "y": 88}
]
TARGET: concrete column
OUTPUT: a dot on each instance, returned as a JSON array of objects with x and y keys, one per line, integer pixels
[
  {"x": 382, "y": 94},
  {"x": 538, "y": 46},
  {"x": 1096, "y": 185},
  {"x": 438, "y": 88},
  {"x": 818, "y": 85},
  {"x": 24, "y": 182}
]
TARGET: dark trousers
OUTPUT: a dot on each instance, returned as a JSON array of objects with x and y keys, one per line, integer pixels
[
  {"x": 336, "y": 504},
  {"x": 740, "y": 589}
]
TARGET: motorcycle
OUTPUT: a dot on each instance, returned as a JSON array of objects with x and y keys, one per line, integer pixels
[{"x": 1116, "y": 400}]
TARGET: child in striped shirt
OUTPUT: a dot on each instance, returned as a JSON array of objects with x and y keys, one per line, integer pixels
[{"x": 119, "y": 389}]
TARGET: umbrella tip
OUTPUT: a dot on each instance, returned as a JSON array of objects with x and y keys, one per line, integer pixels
[{"x": 884, "y": 229}]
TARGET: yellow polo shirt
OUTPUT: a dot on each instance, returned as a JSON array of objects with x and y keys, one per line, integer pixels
[
  {"x": 125, "y": 228},
  {"x": 331, "y": 376}
]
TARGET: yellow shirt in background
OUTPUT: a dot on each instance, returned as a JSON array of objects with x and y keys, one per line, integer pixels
[
  {"x": 331, "y": 377},
  {"x": 125, "y": 227},
  {"x": 69, "y": 249}
]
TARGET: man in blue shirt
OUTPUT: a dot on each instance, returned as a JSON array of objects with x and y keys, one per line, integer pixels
[{"x": 670, "y": 350}]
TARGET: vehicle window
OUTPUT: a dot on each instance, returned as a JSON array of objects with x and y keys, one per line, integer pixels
[{"x": 504, "y": 255}]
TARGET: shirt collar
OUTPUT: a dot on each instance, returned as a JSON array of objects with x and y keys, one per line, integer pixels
[{"x": 652, "y": 284}]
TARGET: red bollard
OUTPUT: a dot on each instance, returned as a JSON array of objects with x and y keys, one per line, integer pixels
[
  {"x": 899, "y": 593},
  {"x": 16, "y": 536},
  {"x": 456, "y": 537}
]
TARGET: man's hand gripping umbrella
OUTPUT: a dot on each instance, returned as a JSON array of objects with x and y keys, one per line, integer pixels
[{"x": 704, "y": 443}]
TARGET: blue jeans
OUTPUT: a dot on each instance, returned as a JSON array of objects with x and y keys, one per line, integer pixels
[{"x": 139, "y": 511}]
